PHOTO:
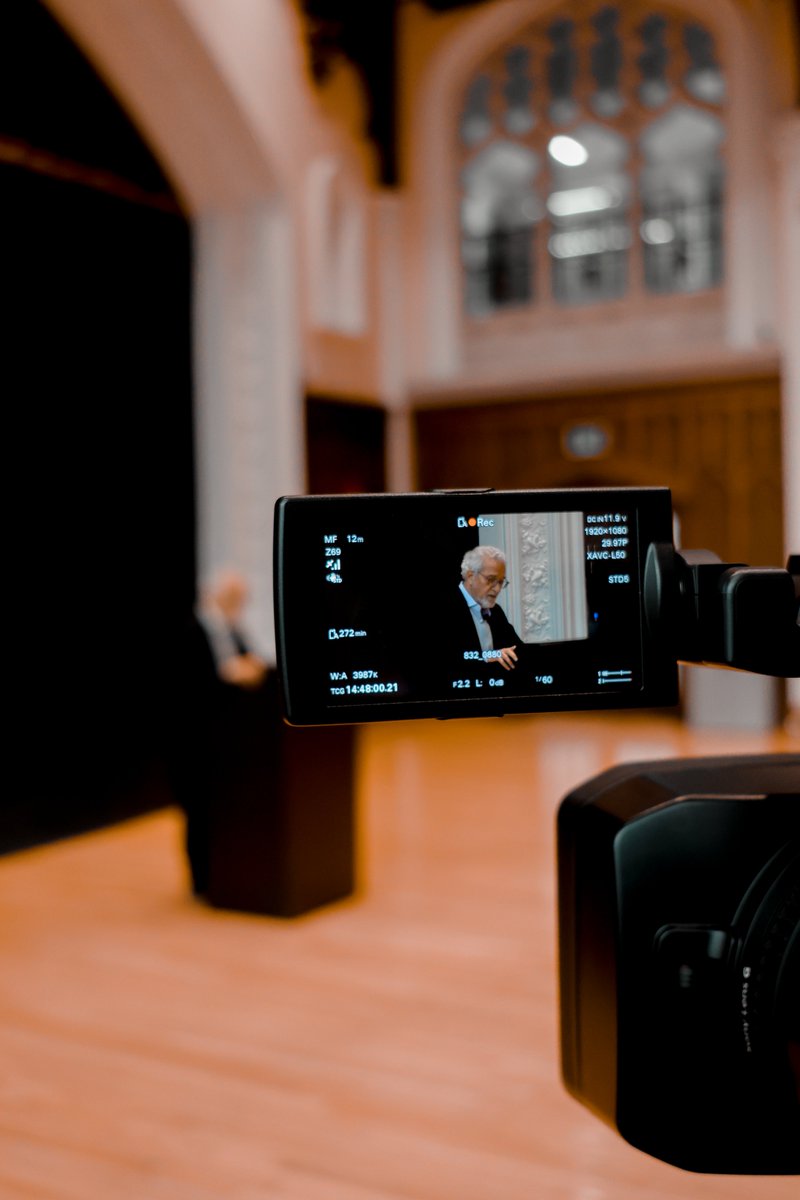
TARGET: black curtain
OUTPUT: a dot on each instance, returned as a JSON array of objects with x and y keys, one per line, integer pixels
[{"x": 97, "y": 383}]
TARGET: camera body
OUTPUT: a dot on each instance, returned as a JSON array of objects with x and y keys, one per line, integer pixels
[
  {"x": 679, "y": 932},
  {"x": 679, "y": 881}
]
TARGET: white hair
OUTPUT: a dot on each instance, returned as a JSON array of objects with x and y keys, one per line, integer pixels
[{"x": 475, "y": 558}]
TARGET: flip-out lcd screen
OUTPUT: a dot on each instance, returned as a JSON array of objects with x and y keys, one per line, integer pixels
[{"x": 460, "y": 604}]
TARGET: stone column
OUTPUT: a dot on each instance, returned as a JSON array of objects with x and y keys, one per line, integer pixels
[
  {"x": 270, "y": 784},
  {"x": 248, "y": 424},
  {"x": 788, "y": 234},
  {"x": 391, "y": 293}
]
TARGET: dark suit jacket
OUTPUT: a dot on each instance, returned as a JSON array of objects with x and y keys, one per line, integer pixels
[
  {"x": 455, "y": 633},
  {"x": 462, "y": 634},
  {"x": 218, "y": 747},
  {"x": 429, "y": 651}
]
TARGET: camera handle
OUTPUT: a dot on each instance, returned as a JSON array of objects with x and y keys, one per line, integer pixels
[{"x": 725, "y": 614}]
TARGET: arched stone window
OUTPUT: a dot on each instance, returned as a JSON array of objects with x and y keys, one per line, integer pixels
[{"x": 591, "y": 164}]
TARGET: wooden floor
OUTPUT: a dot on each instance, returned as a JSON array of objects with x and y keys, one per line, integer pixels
[{"x": 400, "y": 1046}]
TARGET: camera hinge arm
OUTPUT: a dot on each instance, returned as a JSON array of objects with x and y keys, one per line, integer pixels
[{"x": 733, "y": 615}]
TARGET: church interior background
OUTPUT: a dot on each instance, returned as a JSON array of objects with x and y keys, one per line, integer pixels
[
  {"x": 305, "y": 247},
  {"x": 270, "y": 247}
]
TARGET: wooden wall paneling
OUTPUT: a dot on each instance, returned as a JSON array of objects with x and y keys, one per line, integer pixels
[{"x": 716, "y": 444}]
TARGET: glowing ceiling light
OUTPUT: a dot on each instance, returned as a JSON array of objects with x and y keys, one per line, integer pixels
[
  {"x": 657, "y": 231},
  {"x": 568, "y": 151}
]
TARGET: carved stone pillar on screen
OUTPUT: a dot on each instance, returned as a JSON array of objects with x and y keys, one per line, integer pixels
[
  {"x": 535, "y": 575},
  {"x": 546, "y": 601}
]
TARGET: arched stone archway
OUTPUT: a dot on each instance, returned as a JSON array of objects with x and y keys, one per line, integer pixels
[
  {"x": 433, "y": 200},
  {"x": 763, "y": 225}
]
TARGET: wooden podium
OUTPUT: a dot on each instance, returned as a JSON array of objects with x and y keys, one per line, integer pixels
[{"x": 281, "y": 821}]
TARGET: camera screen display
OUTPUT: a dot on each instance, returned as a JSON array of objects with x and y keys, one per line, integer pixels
[{"x": 468, "y": 603}]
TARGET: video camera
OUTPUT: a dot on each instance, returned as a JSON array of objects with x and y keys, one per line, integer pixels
[{"x": 679, "y": 881}]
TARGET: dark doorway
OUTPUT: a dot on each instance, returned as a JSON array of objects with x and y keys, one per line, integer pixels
[
  {"x": 345, "y": 446},
  {"x": 97, "y": 374}
]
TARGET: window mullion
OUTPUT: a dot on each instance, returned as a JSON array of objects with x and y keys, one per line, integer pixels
[{"x": 640, "y": 87}]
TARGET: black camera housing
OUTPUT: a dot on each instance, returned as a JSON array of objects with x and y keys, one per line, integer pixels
[
  {"x": 679, "y": 928},
  {"x": 679, "y": 881}
]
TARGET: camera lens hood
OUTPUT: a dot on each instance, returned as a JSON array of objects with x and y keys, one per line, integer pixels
[{"x": 679, "y": 907}]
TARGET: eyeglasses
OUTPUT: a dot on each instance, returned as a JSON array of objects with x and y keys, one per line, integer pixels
[{"x": 493, "y": 579}]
